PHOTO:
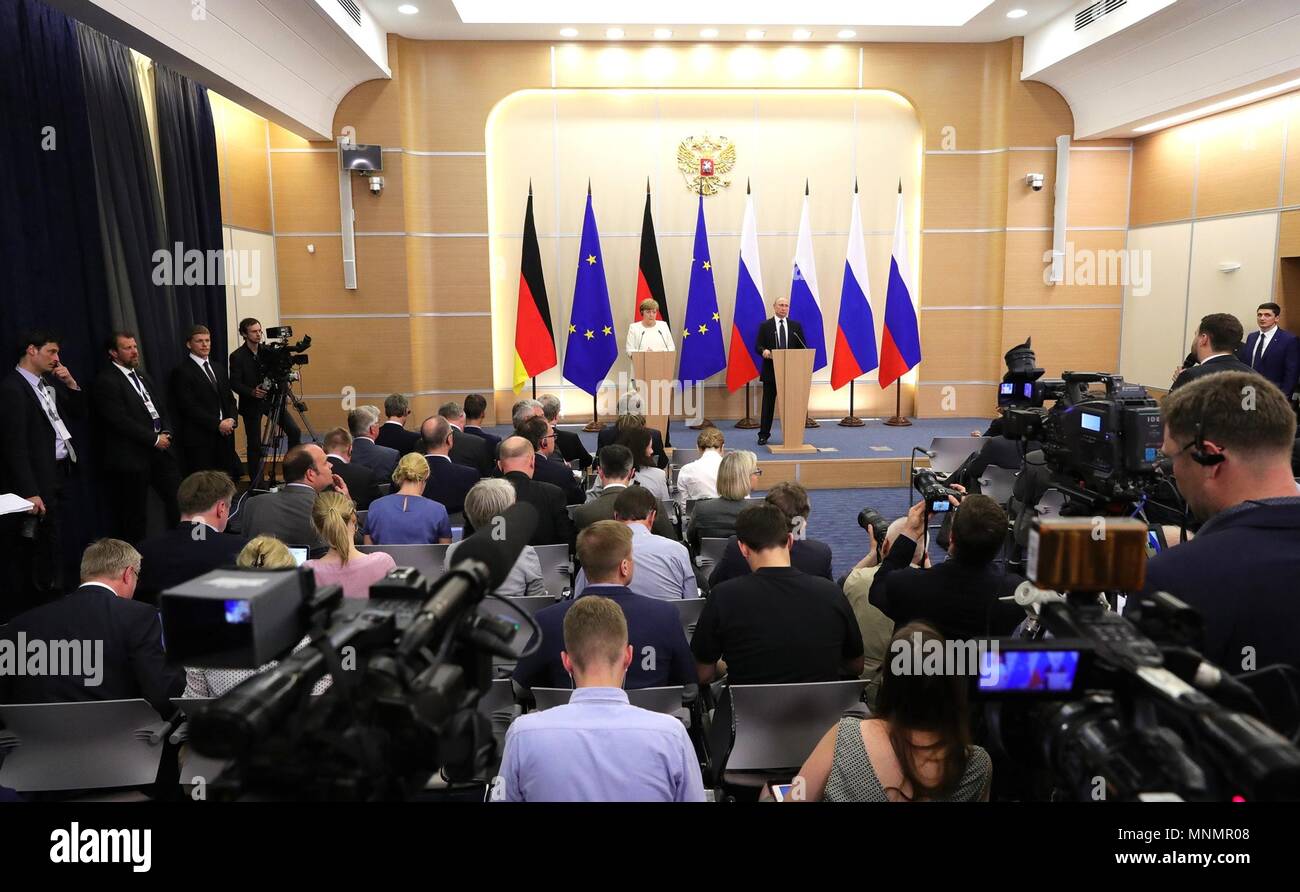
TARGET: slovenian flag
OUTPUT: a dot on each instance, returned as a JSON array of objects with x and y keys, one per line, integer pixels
[
  {"x": 805, "y": 305},
  {"x": 900, "y": 343},
  {"x": 534, "y": 337},
  {"x": 702, "y": 351},
  {"x": 592, "y": 346},
  {"x": 855, "y": 334},
  {"x": 743, "y": 360}
]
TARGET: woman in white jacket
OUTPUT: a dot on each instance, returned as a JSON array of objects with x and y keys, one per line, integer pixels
[{"x": 648, "y": 333}]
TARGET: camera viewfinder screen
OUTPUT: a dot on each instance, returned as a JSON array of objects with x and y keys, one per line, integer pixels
[
  {"x": 1029, "y": 671},
  {"x": 939, "y": 505},
  {"x": 1090, "y": 422}
]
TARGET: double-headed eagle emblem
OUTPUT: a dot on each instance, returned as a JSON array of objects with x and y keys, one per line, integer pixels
[{"x": 705, "y": 161}]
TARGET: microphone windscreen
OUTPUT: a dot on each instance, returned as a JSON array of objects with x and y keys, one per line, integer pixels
[{"x": 499, "y": 544}]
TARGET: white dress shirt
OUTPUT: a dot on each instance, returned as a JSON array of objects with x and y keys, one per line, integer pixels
[
  {"x": 1267, "y": 338},
  {"x": 50, "y": 403},
  {"x": 699, "y": 479}
]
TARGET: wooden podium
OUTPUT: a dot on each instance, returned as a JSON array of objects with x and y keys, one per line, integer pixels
[
  {"x": 656, "y": 370},
  {"x": 793, "y": 369}
]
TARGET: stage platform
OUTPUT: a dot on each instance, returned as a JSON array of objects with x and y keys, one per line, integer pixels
[{"x": 846, "y": 457}]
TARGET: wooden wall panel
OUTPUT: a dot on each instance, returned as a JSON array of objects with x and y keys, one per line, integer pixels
[
  {"x": 448, "y": 275},
  {"x": 369, "y": 355},
  {"x": 313, "y": 283},
  {"x": 305, "y": 191},
  {"x": 1025, "y": 207},
  {"x": 961, "y": 345},
  {"x": 1291, "y": 175},
  {"x": 1095, "y": 268},
  {"x": 242, "y": 161},
  {"x": 1240, "y": 164},
  {"x": 956, "y": 400},
  {"x": 962, "y": 268},
  {"x": 446, "y": 193},
  {"x": 451, "y": 352},
  {"x": 965, "y": 191},
  {"x": 1164, "y": 177},
  {"x": 374, "y": 108},
  {"x": 1288, "y": 244},
  {"x": 1099, "y": 188},
  {"x": 1036, "y": 113},
  {"x": 1074, "y": 340}
]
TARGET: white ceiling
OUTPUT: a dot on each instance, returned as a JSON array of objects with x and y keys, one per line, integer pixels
[{"x": 535, "y": 19}]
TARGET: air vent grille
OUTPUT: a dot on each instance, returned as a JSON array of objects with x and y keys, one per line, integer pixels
[
  {"x": 353, "y": 11},
  {"x": 1091, "y": 13}
]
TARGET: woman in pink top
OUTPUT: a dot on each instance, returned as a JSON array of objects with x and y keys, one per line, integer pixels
[{"x": 335, "y": 518}]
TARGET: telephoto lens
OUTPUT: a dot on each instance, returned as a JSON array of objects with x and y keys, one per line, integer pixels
[{"x": 874, "y": 522}]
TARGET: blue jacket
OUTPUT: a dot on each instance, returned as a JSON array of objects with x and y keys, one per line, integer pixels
[
  {"x": 1242, "y": 573},
  {"x": 1280, "y": 362}
]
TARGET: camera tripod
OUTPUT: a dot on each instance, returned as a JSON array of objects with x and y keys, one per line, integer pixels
[{"x": 281, "y": 398}]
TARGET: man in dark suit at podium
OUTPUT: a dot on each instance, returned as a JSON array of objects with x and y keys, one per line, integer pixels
[
  {"x": 777, "y": 333},
  {"x": 205, "y": 409},
  {"x": 1272, "y": 351},
  {"x": 135, "y": 440}
]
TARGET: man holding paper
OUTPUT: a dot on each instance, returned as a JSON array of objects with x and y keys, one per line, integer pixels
[{"x": 777, "y": 333}]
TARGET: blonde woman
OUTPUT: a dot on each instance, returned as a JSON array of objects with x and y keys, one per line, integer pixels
[
  {"x": 648, "y": 334},
  {"x": 334, "y": 517},
  {"x": 738, "y": 476},
  {"x": 406, "y": 517}
]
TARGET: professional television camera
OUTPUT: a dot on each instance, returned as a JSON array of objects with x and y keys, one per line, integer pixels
[
  {"x": 407, "y": 668},
  {"x": 278, "y": 360},
  {"x": 1118, "y": 707}
]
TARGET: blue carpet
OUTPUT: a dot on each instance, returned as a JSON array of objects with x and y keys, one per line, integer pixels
[{"x": 834, "y": 520}]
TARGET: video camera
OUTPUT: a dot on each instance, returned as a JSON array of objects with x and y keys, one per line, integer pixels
[
  {"x": 406, "y": 666},
  {"x": 277, "y": 360},
  {"x": 1115, "y": 707}
]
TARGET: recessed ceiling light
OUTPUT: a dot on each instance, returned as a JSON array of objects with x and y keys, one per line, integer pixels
[
  {"x": 802, "y": 34},
  {"x": 614, "y": 33},
  {"x": 663, "y": 33},
  {"x": 568, "y": 32},
  {"x": 754, "y": 34},
  {"x": 709, "y": 33},
  {"x": 407, "y": 9},
  {"x": 1017, "y": 14},
  {"x": 847, "y": 34}
]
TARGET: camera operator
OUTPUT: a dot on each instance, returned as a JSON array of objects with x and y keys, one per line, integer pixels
[
  {"x": 960, "y": 596},
  {"x": 246, "y": 379},
  {"x": 1230, "y": 437}
]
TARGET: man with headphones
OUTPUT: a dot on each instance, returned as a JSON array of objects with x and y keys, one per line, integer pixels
[{"x": 1230, "y": 437}]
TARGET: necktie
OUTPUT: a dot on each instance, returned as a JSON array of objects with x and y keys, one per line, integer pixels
[
  {"x": 780, "y": 334},
  {"x": 139, "y": 386},
  {"x": 212, "y": 379},
  {"x": 1259, "y": 351}
]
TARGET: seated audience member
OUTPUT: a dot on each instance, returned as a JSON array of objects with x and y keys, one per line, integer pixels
[
  {"x": 648, "y": 474},
  {"x": 406, "y": 517},
  {"x": 488, "y": 499},
  {"x": 598, "y": 747},
  {"x": 876, "y": 628},
  {"x": 960, "y": 597},
  {"x": 466, "y": 449},
  {"x": 360, "y": 480},
  {"x": 537, "y": 432},
  {"x": 448, "y": 481},
  {"x": 626, "y": 421},
  {"x": 915, "y": 747},
  {"x": 567, "y": 443},
  {"x": 1217, "y": 340},
  {"x": 776, "y": 625},
  {"x": 663, "y": 566},
  {"x": 286, "y": 513},
  {"x": 716, "y": 518},
  {"x": 335, "y": 520},
  {"x": 653, "y": 627},
  {"x": 516, "y": 458},
  {"x": 475, "y": 409},
  {"x": 363, "y": 424},
  {"x": 393, "y": 433},
  {"x": 525, "y": 409},
  {"x": 615, "y": 475},
  {"x": 198, "y": 545},
  {"x": 1230, "y": 438},
  {"x": 119, "y": 642},
  {"x": 808, "y": 555},
  {"x": 698, "y": 479},
  {"x": 262, "y": 553}
]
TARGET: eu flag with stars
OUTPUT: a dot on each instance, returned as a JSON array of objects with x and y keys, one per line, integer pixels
[
  {"x": 592, "y": 346},
  {"x": 702, "y": 351}
]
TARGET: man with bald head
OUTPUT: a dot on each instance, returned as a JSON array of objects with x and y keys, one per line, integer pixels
[
  {"x": 448, "y": 481},
  {"x": 286, "y": 514},
  {"x": 515, "y": 457}
]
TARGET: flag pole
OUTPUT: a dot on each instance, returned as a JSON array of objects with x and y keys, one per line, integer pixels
[
  {"x": 747, "y": 423},
  {"x": 898, "y": 420},
  {"x": 534, "y": 387},
  {"x": 808, "y": 420},
  {"x": 704, "y": 420},
  {"x": 595, "y": 425},
  {"x": 851, "y": 420}
]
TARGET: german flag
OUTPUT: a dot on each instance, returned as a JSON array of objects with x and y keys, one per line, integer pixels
[
  {"x": 534, "y": 336},
  {"x": 649, "y": 276}
]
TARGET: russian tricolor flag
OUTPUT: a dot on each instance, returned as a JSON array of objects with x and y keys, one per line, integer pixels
[
  {"x": 805, "y": 304},
  {"x": 743, "y": 360},
  {"x": 855, "y": 334},
  {"x": 900, "y": 343}
]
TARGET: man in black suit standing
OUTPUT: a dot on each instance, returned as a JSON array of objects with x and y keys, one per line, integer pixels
[
  {"x": 568, "y": 444},
  {"x": 1272, "y": 351},
  {"x": 777, "y": 333},
  {"x": 466, "y": 449},
  {"x": 360, "y": 481},
  {"x": 37, "y": 457},
  {"x": 246, "y": 379},
  {"x": 126, "y": 660},
  {"x": 1217, "y": 339},
  {"x": 516, "y": 459},
  {"x": 393, "y": 432},
  {"x": 448, "y": 482},
  {"x": 475, "y": 411},
  {"x": 197, "y": 544},
  {"x": 135, "y": 439},
  {"x": 205, "y": 409},
  {"x": 538, "y": 432}
]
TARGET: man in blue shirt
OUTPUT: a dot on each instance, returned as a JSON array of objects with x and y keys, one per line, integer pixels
[
  {"x": 663, "y": 566},
  {"x": 598, "y": 747},
  {"x": 654, "y": 628}
]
